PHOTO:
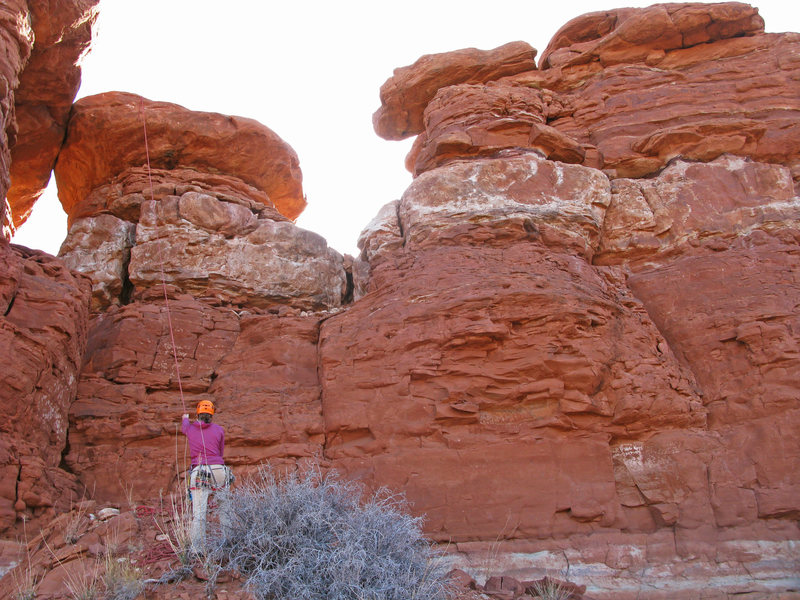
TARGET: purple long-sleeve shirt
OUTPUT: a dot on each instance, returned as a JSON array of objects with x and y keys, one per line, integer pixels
[{"x": 206, "y": 445}]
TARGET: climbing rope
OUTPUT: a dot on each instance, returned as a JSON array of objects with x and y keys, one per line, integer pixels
[
  {"x": 164, "y": 280},
  {"x": 161, "y": 261}
]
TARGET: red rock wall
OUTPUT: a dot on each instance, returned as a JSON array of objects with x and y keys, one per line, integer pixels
[
  {"x": 43, "y": 318},
  {"x": 585, "y": 362},
  {"x": 563, "y": 368},
  {"x": 239, "y": 279}
]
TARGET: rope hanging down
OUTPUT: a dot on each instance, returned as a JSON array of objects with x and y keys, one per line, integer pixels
[{"x": 161, "y": 261}]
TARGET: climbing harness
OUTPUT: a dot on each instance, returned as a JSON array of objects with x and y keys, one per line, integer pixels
[{"x": 203, "y": 477}]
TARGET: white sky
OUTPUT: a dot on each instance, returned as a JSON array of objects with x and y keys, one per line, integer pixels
[{"x": 311, "y": 72}]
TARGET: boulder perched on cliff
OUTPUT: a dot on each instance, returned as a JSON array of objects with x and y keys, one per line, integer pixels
[
  {"x": 209, "y": 215},
  {"x": 106, "y": 136},
  {"x": 405, "y": 94},
  {"x": 176, "y": 138}
]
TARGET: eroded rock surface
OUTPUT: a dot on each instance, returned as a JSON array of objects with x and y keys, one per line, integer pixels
[
  {"x": 62, "y": 34},
  {"x": 16, "y": 41},
  {"x": 205, "y": 262},
  {"x": 628, "y": 90},
  {"x": 43, "y": 328},
  {"x": 259, "y": 370},
  {"x": 628, "y": 35},
  {"x": 694, "y": 255},
  {"x": 41, "y": 44},
  {"x": 222, "y": 251},
  {"x": 204, "y": 220}
]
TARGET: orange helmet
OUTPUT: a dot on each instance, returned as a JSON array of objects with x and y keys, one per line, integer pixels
[{"x": 205, "y": 406}]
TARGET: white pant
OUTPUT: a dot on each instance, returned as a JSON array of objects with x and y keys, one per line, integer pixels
[{"x": 211, "y": 478}]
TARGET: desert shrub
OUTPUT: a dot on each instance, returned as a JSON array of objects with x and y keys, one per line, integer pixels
[{"x": 320, "y": 538}]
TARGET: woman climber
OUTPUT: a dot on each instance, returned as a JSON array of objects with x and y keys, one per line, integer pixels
[{"x": 209, "y": 473}]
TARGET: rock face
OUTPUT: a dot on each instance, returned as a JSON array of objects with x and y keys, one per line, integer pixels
[
  {"x": 203, "y": 260},
  {"x": 16, "y": 40},
  {"x": 43, "y": 319},
  {"x": 260, "y": 371},
  {"x": 564, "y": 366},
  {"x": 531, "y": 366},
  {"x": 42, "y": 45},
  {"x": 696, "y": 254},
  {"x": 202, "y": 225}
]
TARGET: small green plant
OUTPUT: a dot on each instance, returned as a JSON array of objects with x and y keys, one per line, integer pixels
[
  {"x": 76, "y": 524},
  {"x": 551, "y": 589},
  {"x": 27, "y": 581},
  {"x": 177, "y": 528},
  {"x": 121, "y": 578}
]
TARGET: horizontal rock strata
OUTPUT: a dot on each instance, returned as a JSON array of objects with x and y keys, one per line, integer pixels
[
  {"x": 694, "y": 255},
  {"x": 196, "y": 223}
]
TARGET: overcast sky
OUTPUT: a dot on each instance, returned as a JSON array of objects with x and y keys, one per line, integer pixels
[{"x": 310, "y": 71}]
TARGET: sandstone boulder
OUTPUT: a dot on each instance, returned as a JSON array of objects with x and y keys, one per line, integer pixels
[
  {"x": 177, "y": 139},
  {"x": 692, "y": 204},
  {"x": 190, "y": 223},
  {"x": 497, "y": 200},
  {"x": 697, "y": 103},
  {"x": 482, "y": 120},
  {"x": 123, "y": 196},
  {"x": 100, "y": 247},
  {"x": 405, "y": 94}
]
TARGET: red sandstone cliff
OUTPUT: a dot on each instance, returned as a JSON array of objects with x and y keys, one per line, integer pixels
[{"x": 574, "y": 342}]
